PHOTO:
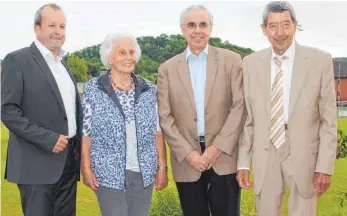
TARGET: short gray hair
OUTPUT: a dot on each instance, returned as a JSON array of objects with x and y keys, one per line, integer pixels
[
  {"x": 109, "y": 43},
  {"x": 38, "y": 16},
  {"x": 184, "y": 13},
  {"x": 278, "y": 7}
]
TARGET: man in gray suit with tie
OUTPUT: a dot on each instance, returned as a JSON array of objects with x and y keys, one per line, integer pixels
[{"x": 41, "y": 108}]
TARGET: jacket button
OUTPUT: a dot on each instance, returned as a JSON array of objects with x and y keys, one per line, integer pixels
[
  {"x": 65, "y": 118},
  {"x": 195, "y": 119}
]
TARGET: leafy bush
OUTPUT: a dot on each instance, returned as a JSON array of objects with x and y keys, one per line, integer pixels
[{"x": 341, "y": 144}]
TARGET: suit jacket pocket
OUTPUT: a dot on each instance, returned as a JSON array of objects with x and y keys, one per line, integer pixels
[{"x": 315, "y": 147}]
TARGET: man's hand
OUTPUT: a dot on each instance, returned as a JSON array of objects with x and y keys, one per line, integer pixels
[
  {"x": 161, "y": 180},
  {"x": 211, "y": 154},
  {"x": 321, "y": 183},
  {"x": 243, "y": 179},
  {"x": 61, "y": 144},
  {"x": 89, "y": 178},
  {"x": 195, "y": 160}
]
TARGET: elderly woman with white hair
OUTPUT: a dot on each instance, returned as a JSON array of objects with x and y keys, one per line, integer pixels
[{"x": 123, "y": 149}]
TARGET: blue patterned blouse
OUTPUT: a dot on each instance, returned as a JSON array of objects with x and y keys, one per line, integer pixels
[{"x": 122, "y": 127}]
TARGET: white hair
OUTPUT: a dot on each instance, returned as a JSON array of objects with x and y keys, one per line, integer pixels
[
  {"x": 184, "y": 13},
  {"x": 109, "y": 43}
]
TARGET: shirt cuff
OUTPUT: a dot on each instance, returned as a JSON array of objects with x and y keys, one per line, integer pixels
[{"x": 243, "y": 168}]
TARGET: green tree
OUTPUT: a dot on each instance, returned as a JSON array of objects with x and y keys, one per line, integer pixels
[
  {"x": 155, "y": 51},
  {"x": 341, "y": 144},
  {"x": 78, "y": 67}
]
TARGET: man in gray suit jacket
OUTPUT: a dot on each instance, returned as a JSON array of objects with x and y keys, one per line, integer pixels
[{"x": 41, "y": 108}]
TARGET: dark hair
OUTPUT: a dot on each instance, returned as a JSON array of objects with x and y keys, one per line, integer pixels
[{"x": 278, "y": 7}]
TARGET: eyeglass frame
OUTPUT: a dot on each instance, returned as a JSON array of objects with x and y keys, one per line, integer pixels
[{"x": 193, "y": 25}]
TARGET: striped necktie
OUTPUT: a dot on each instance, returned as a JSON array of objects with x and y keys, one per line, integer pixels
[{"x": 277, "y": 132}]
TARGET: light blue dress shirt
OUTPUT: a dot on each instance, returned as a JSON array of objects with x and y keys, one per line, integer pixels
[{"x": 197, "y": 68}]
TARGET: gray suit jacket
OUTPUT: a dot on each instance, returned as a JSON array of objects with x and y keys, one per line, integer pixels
[{"x": 33, "y": 111}]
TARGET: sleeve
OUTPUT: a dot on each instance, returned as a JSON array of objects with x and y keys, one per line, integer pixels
[
  {"x": 328, "y": 121},
  {"x": 179, "y": 146},
  {"x": 12, "y": 91},
  {"x": 87, "y": 112},
  {"x": 246, "y": 140}
]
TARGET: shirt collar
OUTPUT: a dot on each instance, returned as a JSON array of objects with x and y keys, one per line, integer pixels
[
  {"x": 47, "y": 53},
  {"x": 189, "y": 53},
  {"x": 290, "y": 52}
]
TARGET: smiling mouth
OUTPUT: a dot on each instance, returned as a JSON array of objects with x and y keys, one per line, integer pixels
[{"x": 280, "y": 40}]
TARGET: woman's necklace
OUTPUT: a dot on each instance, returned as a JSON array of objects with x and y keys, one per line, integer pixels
[{"x": 119, "y": 87}]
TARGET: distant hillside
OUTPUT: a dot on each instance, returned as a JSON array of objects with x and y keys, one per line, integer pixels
[{"x": 155, "y": 51}]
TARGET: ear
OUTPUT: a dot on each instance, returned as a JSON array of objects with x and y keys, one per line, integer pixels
[
  {"x": 109, "y": 60},
  {"x": 263, "y": 28},
  {"x": 182, "y": 29},
  {"x": 37, "y": 29}
]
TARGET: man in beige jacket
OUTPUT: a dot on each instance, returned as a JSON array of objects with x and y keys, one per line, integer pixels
[
  {"x": 202, "y": 113},
  {"x": 290, "y": 134}
]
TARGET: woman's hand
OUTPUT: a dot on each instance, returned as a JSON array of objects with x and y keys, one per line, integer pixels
[
  {"x": 89, "y": 178},
  {"x": 161, "y": 179},
  {"x": 88, "y": 175}
]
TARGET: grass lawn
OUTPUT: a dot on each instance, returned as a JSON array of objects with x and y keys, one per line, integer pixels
[
  {"x": 333, "y": 203},
  {"x": 342, "y": 124}
]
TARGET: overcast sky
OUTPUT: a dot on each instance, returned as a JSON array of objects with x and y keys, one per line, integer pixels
[{"x": 324, "y": 23}]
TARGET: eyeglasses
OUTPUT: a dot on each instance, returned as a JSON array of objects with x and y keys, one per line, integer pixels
[{"x": 193, "y": 25}]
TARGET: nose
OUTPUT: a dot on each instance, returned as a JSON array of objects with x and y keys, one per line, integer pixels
[
  {"x": 130, "y": 57},
  {"x": 279, "y": 30},
  {"x": 197, "y": 29}
]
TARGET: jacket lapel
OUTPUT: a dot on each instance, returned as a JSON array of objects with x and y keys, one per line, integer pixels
[
  {"x": 264, "y": 75},
  {"x": 184, "y": 74},
  {"x": 47, "y": 72},
  {"x": 301, "y": 67},
  {"x": 212, "y": 66}
]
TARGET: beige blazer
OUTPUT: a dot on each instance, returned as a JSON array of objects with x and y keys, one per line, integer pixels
[
  {"x": 312, "y": 119},
  {"x": 224, "y": 110}
]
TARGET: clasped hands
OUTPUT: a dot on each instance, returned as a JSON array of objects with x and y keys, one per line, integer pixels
[{"x": 206, "y": 160}]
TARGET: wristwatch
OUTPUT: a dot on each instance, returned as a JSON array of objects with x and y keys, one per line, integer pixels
[{"x": 162, "y": 168}]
